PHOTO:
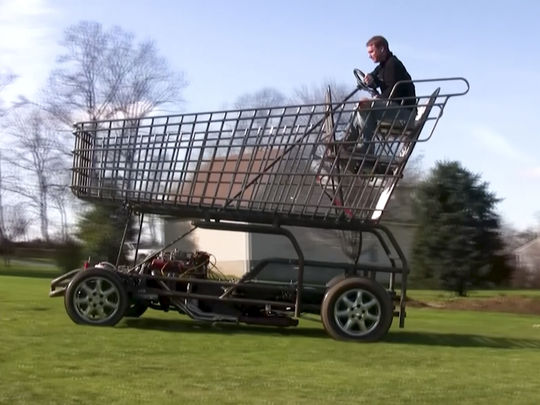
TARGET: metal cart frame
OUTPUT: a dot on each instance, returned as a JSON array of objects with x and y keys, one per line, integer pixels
[{"x": 254, "y": 170}]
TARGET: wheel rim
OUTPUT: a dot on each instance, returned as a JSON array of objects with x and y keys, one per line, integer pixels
[
  {"x": 357, "y": 312},
  {"x": 96, "y": 299}
]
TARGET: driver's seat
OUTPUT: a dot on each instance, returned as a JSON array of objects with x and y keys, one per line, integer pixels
[{"x": 393, "y": 142}]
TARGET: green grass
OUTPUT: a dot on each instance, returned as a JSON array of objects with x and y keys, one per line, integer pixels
[{"x": 441, "y": 356}]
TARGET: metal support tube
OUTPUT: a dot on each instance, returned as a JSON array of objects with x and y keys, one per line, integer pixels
[
  {"x": 123, "y": 238},
  {"x": 141, "y": 221},
  {"x": 405, "y": 267}
]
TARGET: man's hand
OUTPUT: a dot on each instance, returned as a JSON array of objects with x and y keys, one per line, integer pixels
[
  {"x": 365, "y": 102},
  {"x": 368, "y": 79}
]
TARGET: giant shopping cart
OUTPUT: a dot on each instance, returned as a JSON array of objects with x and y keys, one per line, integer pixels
[{"x": 258, "y": 170}]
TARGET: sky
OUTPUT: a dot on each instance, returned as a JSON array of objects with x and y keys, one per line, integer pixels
[{"x": 229, "y": 48}]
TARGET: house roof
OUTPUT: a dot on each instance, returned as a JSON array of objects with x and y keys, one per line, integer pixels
[
  {"x": 529, "y": 247},
  {"x": 221, "y": 180}
]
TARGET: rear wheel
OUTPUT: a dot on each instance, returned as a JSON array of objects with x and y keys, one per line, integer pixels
[
  {"x": 357, "y": 308},
  {"x": 96, "y": 297}
]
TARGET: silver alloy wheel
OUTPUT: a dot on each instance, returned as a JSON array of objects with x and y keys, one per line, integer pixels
[
  {"x": 357, "y": 312},
  {"x": 96, "y": 299}
]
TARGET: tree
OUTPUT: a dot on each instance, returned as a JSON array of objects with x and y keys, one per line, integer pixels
[
  {"x": 104, "y": 74},
  {"x": 317, "y": 94},
  {"x": 6, "y": 79},
  {"x": 60, "y": 199},
  {"x": 400, "y": 208},
  {"x": 38, "y": 159},
  {"x": 2, "y": 225},
  {"x": 265, "y": 97},
  {"x": 15, "y": 227},
  {"x": 458, "y": 237},
  {"x": 252, "y": 122},
  {"x": 16, "y": 222},
  {"x": 100, "y": 229}
]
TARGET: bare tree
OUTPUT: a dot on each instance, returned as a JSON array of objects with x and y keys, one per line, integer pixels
[
  {"x": 6, "y": 78},
  {"x": 2, "y": 226},
  {"x": 16, "y": 222},
  {"x": 61, "y": 198},
  {"x": 266, "y": 97},
  {"x": 257, "y": 119},
  {"x": 15, "y": 228},
  {"x": 317, "y": 94},
  {"x": 104, "y": 74},
  {"x": 37, "y": 159},
  {"x": 400, "y": 208}
]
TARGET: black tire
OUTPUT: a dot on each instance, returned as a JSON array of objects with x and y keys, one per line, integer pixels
[
  {"x": 96, "y": 297},
  {"x": 136, "y": 309},
  {"x": 357, "y": 309}
]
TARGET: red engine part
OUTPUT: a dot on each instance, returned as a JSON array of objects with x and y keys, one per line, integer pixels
[
  {"x": 167, "y": 266},
  {"x": 196, "y": 264}
]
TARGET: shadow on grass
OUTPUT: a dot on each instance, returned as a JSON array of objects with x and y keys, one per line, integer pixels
[
  {"x": 411, "y": 338},
  {"x": 190, "y": 326},
  {"x": 457, "y": 340}
]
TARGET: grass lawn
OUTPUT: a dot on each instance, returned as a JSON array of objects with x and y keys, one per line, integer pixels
[{"x": 441, "y": 356}]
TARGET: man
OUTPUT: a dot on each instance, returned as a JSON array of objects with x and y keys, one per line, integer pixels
[{"x": 395, "y": 104}]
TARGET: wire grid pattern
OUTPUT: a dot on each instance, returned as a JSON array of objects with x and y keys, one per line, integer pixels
[{"x": 291, "y": 162}]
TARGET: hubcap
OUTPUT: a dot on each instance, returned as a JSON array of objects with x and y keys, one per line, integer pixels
[
  {"x": 357, "y": 312},
  {"x": 96, "y": 299}
]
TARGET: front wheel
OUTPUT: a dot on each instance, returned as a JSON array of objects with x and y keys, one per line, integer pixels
[
  {"x": 96, "y": 297},
  {"x": 358, "y": 309}
]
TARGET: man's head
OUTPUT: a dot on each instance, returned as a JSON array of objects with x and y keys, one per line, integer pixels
[{"x": 377, "y": 48}]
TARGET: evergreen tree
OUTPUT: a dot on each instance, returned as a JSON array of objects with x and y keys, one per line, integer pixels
[{"x": 458, "y": 236}]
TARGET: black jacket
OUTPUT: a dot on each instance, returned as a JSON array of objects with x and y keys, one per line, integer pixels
[{"x": 387, "y": 74}]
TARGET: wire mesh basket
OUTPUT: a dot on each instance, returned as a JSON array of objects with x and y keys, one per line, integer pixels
[{"x": 295, "y": 164}]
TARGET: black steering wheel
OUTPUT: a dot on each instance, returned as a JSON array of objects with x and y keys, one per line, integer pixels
[{"x": 360, "y": 82}]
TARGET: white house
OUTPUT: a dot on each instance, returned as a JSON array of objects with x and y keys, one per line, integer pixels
[
  {"x": 527, "y": 260},
  {"x": 236, "y": 252}
]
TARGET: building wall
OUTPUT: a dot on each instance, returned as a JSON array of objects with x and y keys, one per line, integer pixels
[
  {"x": 236, "y": 252},
  {"x": 529, "y": 256},
  {"x": 527, "y": 261},
  {"x": 228, "y": 248}
]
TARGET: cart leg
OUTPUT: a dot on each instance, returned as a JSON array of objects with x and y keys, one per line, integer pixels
[{"x": 126, "y": 227}]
